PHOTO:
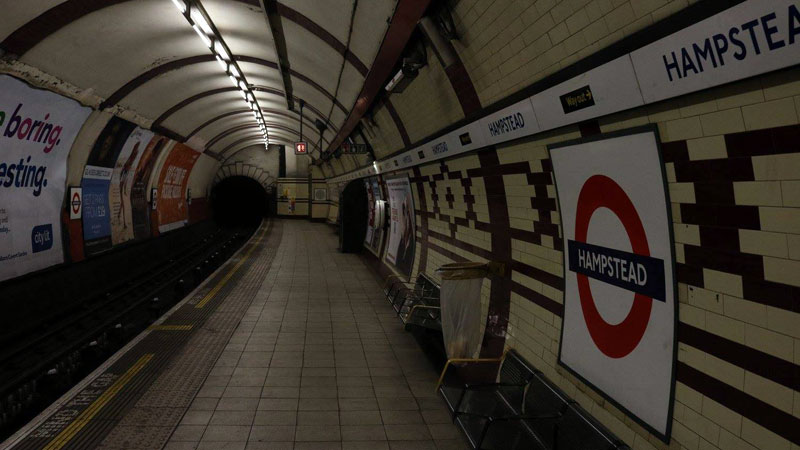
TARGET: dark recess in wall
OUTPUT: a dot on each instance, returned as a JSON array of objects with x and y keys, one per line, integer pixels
[
  {"x": 239, "y": 201},
  {"x": 354, "y": 213}
]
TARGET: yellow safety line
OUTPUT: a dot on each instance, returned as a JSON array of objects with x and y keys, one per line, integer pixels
[
  {"x": 88, "y": 414},
  {"x": 213, "y": 292},
  {"x": 170, "y": 327}
]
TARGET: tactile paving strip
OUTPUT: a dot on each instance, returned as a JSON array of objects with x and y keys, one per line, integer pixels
[{"x": 139, "y": 400}]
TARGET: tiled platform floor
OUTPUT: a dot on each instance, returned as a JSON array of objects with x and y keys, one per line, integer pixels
[{"x": 319, "y": 361}]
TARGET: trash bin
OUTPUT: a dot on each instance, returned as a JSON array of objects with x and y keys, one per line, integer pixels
[{"x": 460, "y": 298}]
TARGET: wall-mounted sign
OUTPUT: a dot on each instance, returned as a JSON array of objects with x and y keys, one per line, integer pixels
[
  {"x": 748, "y": 39},
  {"x": 75, "y": 202},
  {"x": 300, "y": 148},
  {"x": 402, "y": 236},
  {"x": 509, "y": 123},
  {"x": 618, "y": 333},
  {"x": 354, "y": 149},
  {"x": 122, "y": 179},
  {"x": 37, "y": 129},
  {"x": 577, "y": 100},
  {"x": 154, "y": 199},
  {"x": 613, "y": 88},
  {"x": 173, "y": 212}
]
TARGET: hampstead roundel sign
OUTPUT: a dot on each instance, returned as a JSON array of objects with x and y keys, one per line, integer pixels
[
  {"x": 75, "y": 202},
  {"x": 618, "y": 331},
  {"x": 634, "y": 271}
]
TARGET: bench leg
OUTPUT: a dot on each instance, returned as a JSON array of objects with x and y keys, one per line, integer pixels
[{"x": 464, "y": 360}]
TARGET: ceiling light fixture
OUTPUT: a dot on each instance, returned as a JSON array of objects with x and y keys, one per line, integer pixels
[
  {"x": 180, "y": 5},
  {"x": 199, "y": 20},
  {"x": 222, "y": 64}
]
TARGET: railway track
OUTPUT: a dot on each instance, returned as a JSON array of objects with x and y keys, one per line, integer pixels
[{"x": 42, "y": 360}]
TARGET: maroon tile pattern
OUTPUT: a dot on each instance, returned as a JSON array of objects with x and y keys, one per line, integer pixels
[{"x": 714, "y": 211}]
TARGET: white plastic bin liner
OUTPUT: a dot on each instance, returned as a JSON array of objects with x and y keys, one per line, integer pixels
[{"x": 461, "y": 308}]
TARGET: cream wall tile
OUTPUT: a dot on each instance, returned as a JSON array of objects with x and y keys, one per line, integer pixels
[
  {"x": 745, "y": 310},
  {"x": 791, "y": 193},
  {"x": 761, "y": 437},
  {"x": 785, "y": 220},
  {"x": 758, "y": 193},
  {"x": 726, "y": 283},
  {"x": 767, "y": 341},
  {"x": 707, "y": 148},
  {"x": 768, "y": 391},
  {"x": 794, "y": 246},
  {"x": 784, "y": 271},
  {"x": 681, "y": 192},
  {"x": 726, "y": 327},
  {"x": 722, "y": 416},
  {"x": 722, "y": 122},
  {"x": 686, "y": 233},
  {"x": 777, "y": 167},
  {"x": 763, "y": 243},
  {"x": 770, "y": 114},
  {"x": 705, "y": 299}
]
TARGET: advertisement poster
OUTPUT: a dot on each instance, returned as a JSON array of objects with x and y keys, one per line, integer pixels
[
  {"x": 97, "y": 182},
  {"x": 619, "y": 300},
  {"x": 402, "y": 237},
  {"x": 122, "y": 178},
  {"x": 140, "y": 210},
  {"x": 37, "y": 130},
  {"x": 172, "y": 209},
  {"x": 374, "y": 235},
  {"x": 371, "y": 217}
]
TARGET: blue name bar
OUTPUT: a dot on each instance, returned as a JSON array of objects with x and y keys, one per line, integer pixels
[{"x": 641, "y": 274}]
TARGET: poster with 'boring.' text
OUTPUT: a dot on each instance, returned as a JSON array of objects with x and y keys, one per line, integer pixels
[{"x": 37, "y": 129}]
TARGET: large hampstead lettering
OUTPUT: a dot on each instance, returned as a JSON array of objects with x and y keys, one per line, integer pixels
[
  {"x": 506, "y": 124},
  {"x": 440, "y": 148},
  {"x": 637, "y": 273},
  {"x": 763, "y": 34}
]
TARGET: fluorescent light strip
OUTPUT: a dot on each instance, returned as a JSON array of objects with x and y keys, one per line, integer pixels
[
  {"x": 222, "y": 63},
  {"x": 203, "y": 36},
  {"x": 219, "y": 49},
  {"x": 180, "y": 5},
  {"x": 201, "y": 26}
]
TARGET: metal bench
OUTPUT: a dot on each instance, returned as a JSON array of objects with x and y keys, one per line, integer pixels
[
  {"x": 523, "y": 410},
  {"x": 417, "y": 303}
]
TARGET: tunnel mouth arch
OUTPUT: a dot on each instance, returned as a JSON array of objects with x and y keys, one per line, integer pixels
[{"x": 239, "y": 201}]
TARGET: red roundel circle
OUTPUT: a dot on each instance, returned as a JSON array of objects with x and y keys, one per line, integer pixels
[
  {"x": 615, "y": 341},
  {"x": 76, "y": 202}
]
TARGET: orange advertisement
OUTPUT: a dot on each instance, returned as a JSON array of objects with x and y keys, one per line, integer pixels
[{"x": 172, "y": 210}]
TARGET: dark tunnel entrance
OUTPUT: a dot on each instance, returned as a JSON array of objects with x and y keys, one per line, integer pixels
[
  {"x": 355, "y": 214},
  {"x": 239, "y": 201}
]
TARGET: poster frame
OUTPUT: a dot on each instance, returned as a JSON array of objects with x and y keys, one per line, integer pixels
[
  {"x": 388, "y": 238},
  {"x": 650, "y": 128}
]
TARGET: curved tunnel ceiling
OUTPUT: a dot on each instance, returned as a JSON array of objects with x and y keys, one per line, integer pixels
[{"x": 144, "y": 57}]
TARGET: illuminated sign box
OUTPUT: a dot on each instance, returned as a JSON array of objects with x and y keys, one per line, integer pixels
[{"x": 300, "y": 148}]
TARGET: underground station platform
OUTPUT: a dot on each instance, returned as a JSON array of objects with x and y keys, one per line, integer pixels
[
  {"x": 263, "y": 355},
  {"x": 400, "y": 224}
]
